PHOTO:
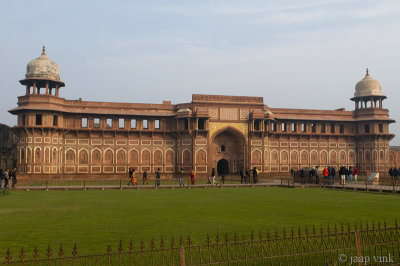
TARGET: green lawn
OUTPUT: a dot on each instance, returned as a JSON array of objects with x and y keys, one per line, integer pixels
[{"x": 95, "y": 218}]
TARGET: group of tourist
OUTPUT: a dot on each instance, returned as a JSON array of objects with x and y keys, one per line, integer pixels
[
  {"x": 133, "y": 180},
  {"x": 394, "y": 172},
  {"x": 7, "y": 176},
  {"x": 245, "y": 176},
  {"x": 328, "y": 175},
  {"x": 132, "y": 177}
]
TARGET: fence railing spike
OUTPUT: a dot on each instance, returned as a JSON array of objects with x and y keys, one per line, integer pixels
[
  {"x": 22, "y": 254},
  {"x": 8, "y": 256},
  {"x": 48, "y": 254},
  {"x": 74, "y": 250},
  {"x": 120, "y": 246}
]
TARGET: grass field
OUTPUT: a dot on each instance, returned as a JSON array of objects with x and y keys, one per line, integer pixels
[{"x": 95, "y": 218}]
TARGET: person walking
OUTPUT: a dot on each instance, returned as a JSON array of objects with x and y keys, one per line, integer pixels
[
  {"x": 145, "y": 181},
  {"x": 242, "y": 179},
  {"x": 316, "y": 173},
  {"x": 13, "y": 177},
  {"x": 213, "y": 177},
  {"x": 350, "y": 171},
  {"x": 333, "y": 173},
  {"x": 355, "y": 174},
  {"x": 158, "y": 177},
  {"x": 1, "y": 178},
  {"x": 180, "y": 174},
  {"x": 342, "y": 174},
  {"x": 133, "y": 178},
  {"x": 6, "y": 178},
  {"x": 192, "y": 176},
  {"x": 130, "y": 172},
  {"x": 247, "y": 181},
  {"x": 302, "y": 176},
  {"x": 312, "y": 175},
  {"x": 223, "y": 178},
  {"x": 255, "y": 175},
  {"x": 325, "y": 173}
]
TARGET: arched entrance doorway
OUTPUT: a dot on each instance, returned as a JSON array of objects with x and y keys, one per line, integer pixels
[
  {"x": 223, "y": 167},
  {"x": 228, "y": 151}
]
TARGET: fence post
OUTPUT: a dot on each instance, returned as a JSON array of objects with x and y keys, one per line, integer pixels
[
  {"x": 182, "y": 255},
  {"x": 47, "y": 184},
  {"x": 358, "y": 247}
]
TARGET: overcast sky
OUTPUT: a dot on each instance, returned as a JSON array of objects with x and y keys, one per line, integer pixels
[{"x": 296, "y": 54}]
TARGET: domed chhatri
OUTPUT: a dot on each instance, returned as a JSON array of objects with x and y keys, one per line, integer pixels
[
  {"x": 43, "y": 68},
  {"x": 368, "y": 87}
]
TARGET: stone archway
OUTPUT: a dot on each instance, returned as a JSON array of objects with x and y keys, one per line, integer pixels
[{"x": 229, "y": 145}]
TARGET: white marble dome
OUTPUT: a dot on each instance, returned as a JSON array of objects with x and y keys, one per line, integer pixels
[
  {"x": 368, "y": 87},
  {"x": 43, "y": 68}
]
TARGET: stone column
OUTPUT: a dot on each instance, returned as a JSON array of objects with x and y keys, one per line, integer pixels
[
  {"x": 47, "y": 88},
  {"x": 28, "y": 89},
  {"x": 34, "y": 87}
]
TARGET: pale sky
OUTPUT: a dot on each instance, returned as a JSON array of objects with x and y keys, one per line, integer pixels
[{"x": 296, "y": 54}]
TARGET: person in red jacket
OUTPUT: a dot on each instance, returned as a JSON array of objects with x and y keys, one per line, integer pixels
[
  {"x": 325, "y": 173},
  {"x": 355, "y": 174}
]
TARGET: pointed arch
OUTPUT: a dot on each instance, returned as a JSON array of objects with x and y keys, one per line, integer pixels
[
  {"x": 22, "y": 155},
  {"x": 314, "y": 157},
  {"x": 95, "y": 155},
  {"x": 70, "y": 155},
  {"x": 54, "y": 155},
  {"x": 157, "y": 156},
  {"x": 83, "y": 155},
  {"x": 256, "y": 156},
  {"x": 360, "y": 158},
  {"x": 28, "y": 155},
  {"x": 333, "y": 157},
  {"x": 266, "y": 157},
  {"x": 381, "y": 157},
  {"x": 133, "y": 157},
  {"x": 108, "y": 156},
  {"x": 47, "y": 155},
  {"x": 274, "y": 157},
  {"x": 38, "y": 155},
  {"x": 323, "y": 157},
  {"x": 121, "y": 156},
  {"x": 284, "y": 157},
  {"x": 367, "y": 156},
  {"x": 304, "y": 157},
  {"x": 146, "y": 156},
  {"x": 186, "y": 157},
  {"x": 342, "y": 157},
  {"x": 201, "y": 156},
  {"x": 294, "y": 157},
  {"x": 169, "y": 156},
  {"x": 352, "y": 158}
]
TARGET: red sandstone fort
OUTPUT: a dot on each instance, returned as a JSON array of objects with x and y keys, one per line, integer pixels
[{"x": 69, "y": 138}]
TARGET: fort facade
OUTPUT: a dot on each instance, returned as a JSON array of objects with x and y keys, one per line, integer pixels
[{"x": 70, "y": 138}]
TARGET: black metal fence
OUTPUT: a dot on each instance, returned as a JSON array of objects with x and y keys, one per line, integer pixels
[{"x": 366, "y": 244}]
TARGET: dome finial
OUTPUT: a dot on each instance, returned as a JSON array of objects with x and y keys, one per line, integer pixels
[
  {"x": 44, "y": 50},
  {"x": 367, "y": 74}
]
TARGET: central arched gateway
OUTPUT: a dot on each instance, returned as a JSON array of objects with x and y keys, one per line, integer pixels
[{"x": 228, "y": 151}]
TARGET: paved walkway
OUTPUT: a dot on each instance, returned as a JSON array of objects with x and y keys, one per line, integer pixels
[{"x": 265, "y": 183}]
